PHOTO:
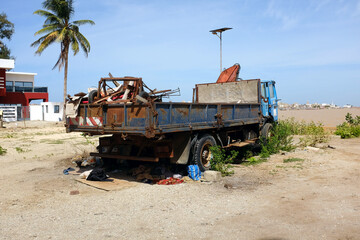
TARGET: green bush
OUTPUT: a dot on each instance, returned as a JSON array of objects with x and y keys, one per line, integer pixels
[
  {"x": 221, "y": 161},
  {"x": 314, "y": 134},
  {"x": 350, "y": 128},
  {"x": 2, "y": 150},
  {"x": 280, "y": 140}
]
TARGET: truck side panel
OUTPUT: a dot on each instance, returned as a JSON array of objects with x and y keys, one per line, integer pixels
[{"x": 165, "y": 117}]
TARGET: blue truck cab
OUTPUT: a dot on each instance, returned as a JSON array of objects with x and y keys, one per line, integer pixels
[{"x": 269, "y": 100}]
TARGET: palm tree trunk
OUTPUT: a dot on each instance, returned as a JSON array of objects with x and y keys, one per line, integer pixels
[{"x": 65, "y": 80}]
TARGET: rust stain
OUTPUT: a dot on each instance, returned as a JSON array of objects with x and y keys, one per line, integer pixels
[
  {"x": 183, "y": 112},
  {"x": 163, "y": 111}
]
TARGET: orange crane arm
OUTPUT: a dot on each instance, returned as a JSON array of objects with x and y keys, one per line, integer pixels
[{"x": 230, "y": 74}]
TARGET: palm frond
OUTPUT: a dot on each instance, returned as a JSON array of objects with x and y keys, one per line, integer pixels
[
  {"x": 47, "y": 28},
  {"x": 82, "y": 22},
  {"x": 74, "y": 45},
  {"x": 64, "y": 35},
  {"x": 84, "y": 43},
  {"x": 37, "y": 42},
  {"x": 47, "y": 41},
  {"x": 50, "y": 17}
]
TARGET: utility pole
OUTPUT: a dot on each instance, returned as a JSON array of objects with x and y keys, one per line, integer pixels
[{"x": 220, "y": 31}]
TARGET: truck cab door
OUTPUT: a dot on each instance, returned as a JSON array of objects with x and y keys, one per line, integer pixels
[
  {"x": 264, "y": 99},
  {"x": 273, "y": 101}
]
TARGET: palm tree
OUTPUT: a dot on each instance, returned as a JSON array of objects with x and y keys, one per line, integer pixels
[{"x": 58, "y": 28}]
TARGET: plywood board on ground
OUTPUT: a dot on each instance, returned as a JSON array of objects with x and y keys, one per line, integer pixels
[{"x": 110, "y": 184}]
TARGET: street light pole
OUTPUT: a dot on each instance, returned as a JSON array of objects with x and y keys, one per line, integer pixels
[
  {"x": 220, "y": 52},
  {"x": 215, "y": 32}
]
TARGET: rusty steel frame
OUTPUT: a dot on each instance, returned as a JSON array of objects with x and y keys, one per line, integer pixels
[{"x": 102, "y": 87}]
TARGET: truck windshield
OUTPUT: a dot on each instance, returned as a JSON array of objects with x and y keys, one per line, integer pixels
[
  {"x": 263, "y": 90},
  {"x": 271, "y": 90}
]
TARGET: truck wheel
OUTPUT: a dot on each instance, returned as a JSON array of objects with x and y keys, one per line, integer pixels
[
  {"x": 92, "y": 96},
  {"x": 203, "y": 154},
  {"x": 266, "y": 131}
]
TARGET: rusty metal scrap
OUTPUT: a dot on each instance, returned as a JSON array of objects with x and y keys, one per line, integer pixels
[{"x": 124, "y": 90}]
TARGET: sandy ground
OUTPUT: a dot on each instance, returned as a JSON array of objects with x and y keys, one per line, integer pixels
[
  {"x": 329, "y": 117},
  {"x": 318, "y": 198}
]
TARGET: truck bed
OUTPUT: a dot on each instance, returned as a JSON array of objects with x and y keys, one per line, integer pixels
[{"x": 159, "y": 118}]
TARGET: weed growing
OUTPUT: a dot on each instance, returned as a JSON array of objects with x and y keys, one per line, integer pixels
[
  {"x": 254, "y": 160},
  {"x": 50, "y": 141},
  {"x": 312, "y": 132},
  {"x": 19, "y": 150},
  {"x": 87, "y": 138},
  {"x": 9, "y": 135},
  {"x": 2, "y": 150},
  {"x": 221, "y": 161},
  {"x": 350, "y": 128},
  {"x": 288, "y": 160}
]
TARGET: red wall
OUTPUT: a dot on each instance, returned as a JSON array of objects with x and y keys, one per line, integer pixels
[
  {"x": 3, "y": 82},
  {"x": 23, "y": 98}
]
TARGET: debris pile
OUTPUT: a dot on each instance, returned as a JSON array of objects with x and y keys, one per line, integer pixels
[
  {"x": 94, "y": 169},
  {"x": 113, "y": 90}
]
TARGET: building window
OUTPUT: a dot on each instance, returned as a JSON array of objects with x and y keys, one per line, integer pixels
[
  {"x": 23, "y": 84},
  {"x": 28, "y": 84},
  {"x": 56, "y": 109},
  {"x": 9, "y": 86},
  {"x": 47, "y": 109}
]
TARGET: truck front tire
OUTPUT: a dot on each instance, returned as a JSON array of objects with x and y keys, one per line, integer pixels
[
  {"x": 202, "y": 153},
  {"x": 266, "y": 131}
]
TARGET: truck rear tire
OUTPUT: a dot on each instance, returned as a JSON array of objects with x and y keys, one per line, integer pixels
[
  {"x": 266, "y": 131},
  {"x": 202, "y": 155}
]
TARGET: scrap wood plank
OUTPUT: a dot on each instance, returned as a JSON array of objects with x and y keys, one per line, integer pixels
[{"x": 110, "y": 184}]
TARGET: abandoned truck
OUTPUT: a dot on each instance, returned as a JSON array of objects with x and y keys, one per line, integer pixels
[{"x": 139, "y": 126}]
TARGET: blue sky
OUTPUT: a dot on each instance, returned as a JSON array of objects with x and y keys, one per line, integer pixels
[{"x": 310, "y": 48}]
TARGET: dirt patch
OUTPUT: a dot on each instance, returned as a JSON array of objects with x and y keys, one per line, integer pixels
[{"x": 317, "y": 198}]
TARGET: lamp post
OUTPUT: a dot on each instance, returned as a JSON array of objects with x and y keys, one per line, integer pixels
[{"x": 215, "y": 32}]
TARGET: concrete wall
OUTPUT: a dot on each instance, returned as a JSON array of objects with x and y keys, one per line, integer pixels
[
  {"x": 49, "y": 114},
  {"x": 245, "y": 91},
  {"x": 36, "y": 112}
]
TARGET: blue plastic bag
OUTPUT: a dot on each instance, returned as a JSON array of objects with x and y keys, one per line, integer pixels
[{"x": 194, "y": 172}]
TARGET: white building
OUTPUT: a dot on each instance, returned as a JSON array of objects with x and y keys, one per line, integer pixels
[{"x": 47, "y": 111}]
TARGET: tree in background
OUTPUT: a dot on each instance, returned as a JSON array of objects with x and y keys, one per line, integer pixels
[
  {"x": 6, "y": 31},
  {"x": 59, "y": 28}
]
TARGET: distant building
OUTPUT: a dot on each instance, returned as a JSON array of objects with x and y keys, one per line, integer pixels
[
  {"x": 18, "y": 87},
  {"x": 17, "y": 90},
  {"x": 47, "y": 111}
]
